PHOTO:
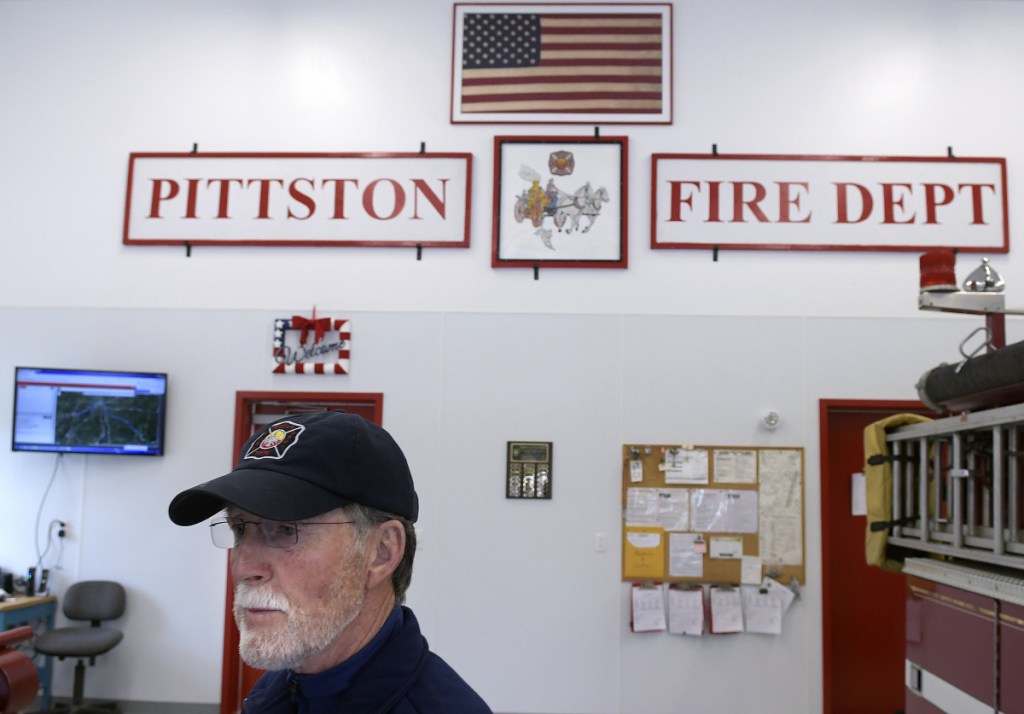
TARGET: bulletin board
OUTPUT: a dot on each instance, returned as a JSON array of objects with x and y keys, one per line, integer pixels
[{"x": 712, "y": 514}]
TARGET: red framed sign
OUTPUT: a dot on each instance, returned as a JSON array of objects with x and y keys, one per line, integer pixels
[
  {"x": 560, "y": 201},
  {"x": 774, "y": 202},
  {"x": 278, "y": 199}
]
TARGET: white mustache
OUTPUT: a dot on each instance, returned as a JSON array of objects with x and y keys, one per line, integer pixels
[{"x": 254, "y": 598}]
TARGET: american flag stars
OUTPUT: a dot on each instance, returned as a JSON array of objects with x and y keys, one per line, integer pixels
[
  {"x": 279, "y": 327},
  {"x": 501, "y": 40}
]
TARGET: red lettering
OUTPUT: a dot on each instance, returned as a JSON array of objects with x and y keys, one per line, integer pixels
[
  {"x": 190, "y": 198},
  {"x": 159, "y": 197},
  {"x": 420, "y": 186},
  {"x": 931, "y": 202},
  {"x": 225, "y": 191},
  {"x": 789, "y": 200},
  {"x": 714, "y": 201},
  {"x": 676, "y": 198},
  {"x": 264, "y": 210},
  {"x": 890, "y": 202},
  {"x": 978, "y": 219},
  {"x": 371, "y": 191},
  {"x": 785, "y": 201},
  {"x": 339, "y": 194},
  {"x": 738, "y": 201},
  {"x": 302, "y": 198},
  {"x": 842, "y": 205}
]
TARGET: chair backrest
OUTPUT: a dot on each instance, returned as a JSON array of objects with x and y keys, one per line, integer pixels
[{"x": 94, "y": 600}]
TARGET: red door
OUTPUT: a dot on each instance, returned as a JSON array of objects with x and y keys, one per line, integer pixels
[
  {"x": 863, "y": 621},
  {"x": 252, "y": 411}
]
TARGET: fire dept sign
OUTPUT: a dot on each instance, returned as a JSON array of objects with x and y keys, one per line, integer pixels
[
  {"x": 369, "y": 199},
  {"x": 829, "y": 203}
]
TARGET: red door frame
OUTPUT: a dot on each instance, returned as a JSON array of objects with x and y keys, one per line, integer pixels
[
  {"x": 237, "y": 677},
  {"x": 828, "y": 493}
]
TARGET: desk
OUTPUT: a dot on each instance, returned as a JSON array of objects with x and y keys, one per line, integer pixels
[{"x": 26, "y": 610}]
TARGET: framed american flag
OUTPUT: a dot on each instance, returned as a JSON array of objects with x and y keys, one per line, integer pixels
[{"x": 541, "y": 63}]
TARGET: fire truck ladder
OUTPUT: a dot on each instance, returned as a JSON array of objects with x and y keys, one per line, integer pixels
[{"x": 957, "y": 487}]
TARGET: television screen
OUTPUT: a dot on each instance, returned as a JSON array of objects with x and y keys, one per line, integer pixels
[{"x": 89, "y": 411}]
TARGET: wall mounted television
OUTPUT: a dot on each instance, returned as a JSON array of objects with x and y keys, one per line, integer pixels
[{"x": 82, "y": 411}]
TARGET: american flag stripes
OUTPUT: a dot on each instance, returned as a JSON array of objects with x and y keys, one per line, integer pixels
[{"x": 587, "y": 61}]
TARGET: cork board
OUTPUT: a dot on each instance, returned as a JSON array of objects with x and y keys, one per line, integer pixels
[{"x": 701, "y": 514}]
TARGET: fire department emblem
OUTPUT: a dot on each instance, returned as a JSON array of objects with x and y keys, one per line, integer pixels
[
  {"x": 561, "y": 163},
  {"x": 276, "y": 441}
]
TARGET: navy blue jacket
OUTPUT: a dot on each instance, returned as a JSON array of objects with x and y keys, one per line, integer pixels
[{"x": 402, "y": 677}]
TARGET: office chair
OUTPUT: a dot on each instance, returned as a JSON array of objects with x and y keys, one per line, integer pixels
[{"x": 95, "y": 601}]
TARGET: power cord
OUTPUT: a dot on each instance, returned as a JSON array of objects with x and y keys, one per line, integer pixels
[
  {"x": 60, "y": 527},
  {"x": 59, "y": 524}
]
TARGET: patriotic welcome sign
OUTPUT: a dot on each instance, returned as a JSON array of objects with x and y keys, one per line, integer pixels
[
  {"x": 311, "y": 345},
  {"x": 567, "y": 64}
]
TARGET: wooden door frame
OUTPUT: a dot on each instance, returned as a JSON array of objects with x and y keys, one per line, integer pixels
[
  {"x": 825, "y": 408},
  {"x": 231, "y": 673}
]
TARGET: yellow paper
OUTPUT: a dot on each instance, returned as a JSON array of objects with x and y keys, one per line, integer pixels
[{"x": 643, "y": 553}]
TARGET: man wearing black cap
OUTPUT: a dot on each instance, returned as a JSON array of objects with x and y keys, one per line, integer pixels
[{"x": 318, "y": 514}]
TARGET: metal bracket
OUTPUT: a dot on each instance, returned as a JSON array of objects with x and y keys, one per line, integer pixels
[{"x": 987, "y": 344}]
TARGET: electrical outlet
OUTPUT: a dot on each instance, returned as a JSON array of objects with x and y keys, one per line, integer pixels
[{"x": 62, "y": 532}]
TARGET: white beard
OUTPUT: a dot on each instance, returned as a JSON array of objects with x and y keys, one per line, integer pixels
[{"x": 307, "y": 631}]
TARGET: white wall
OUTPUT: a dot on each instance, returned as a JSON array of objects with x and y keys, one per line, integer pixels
[{"x": 675, "y": 348}]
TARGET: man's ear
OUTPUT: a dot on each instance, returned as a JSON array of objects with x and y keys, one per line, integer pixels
[{"x": 388, "y": 548}]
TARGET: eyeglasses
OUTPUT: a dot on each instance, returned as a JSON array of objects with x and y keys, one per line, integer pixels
[{"x": 228, "y": 534}]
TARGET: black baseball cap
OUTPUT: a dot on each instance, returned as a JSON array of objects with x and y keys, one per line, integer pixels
[{"x": 301, "y": 466}]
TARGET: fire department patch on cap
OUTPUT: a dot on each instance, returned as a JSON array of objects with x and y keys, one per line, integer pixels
[{"x": 275, "y": 444}]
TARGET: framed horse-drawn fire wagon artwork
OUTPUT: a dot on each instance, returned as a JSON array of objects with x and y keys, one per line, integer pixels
[{"x": 560, "y": 201}]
